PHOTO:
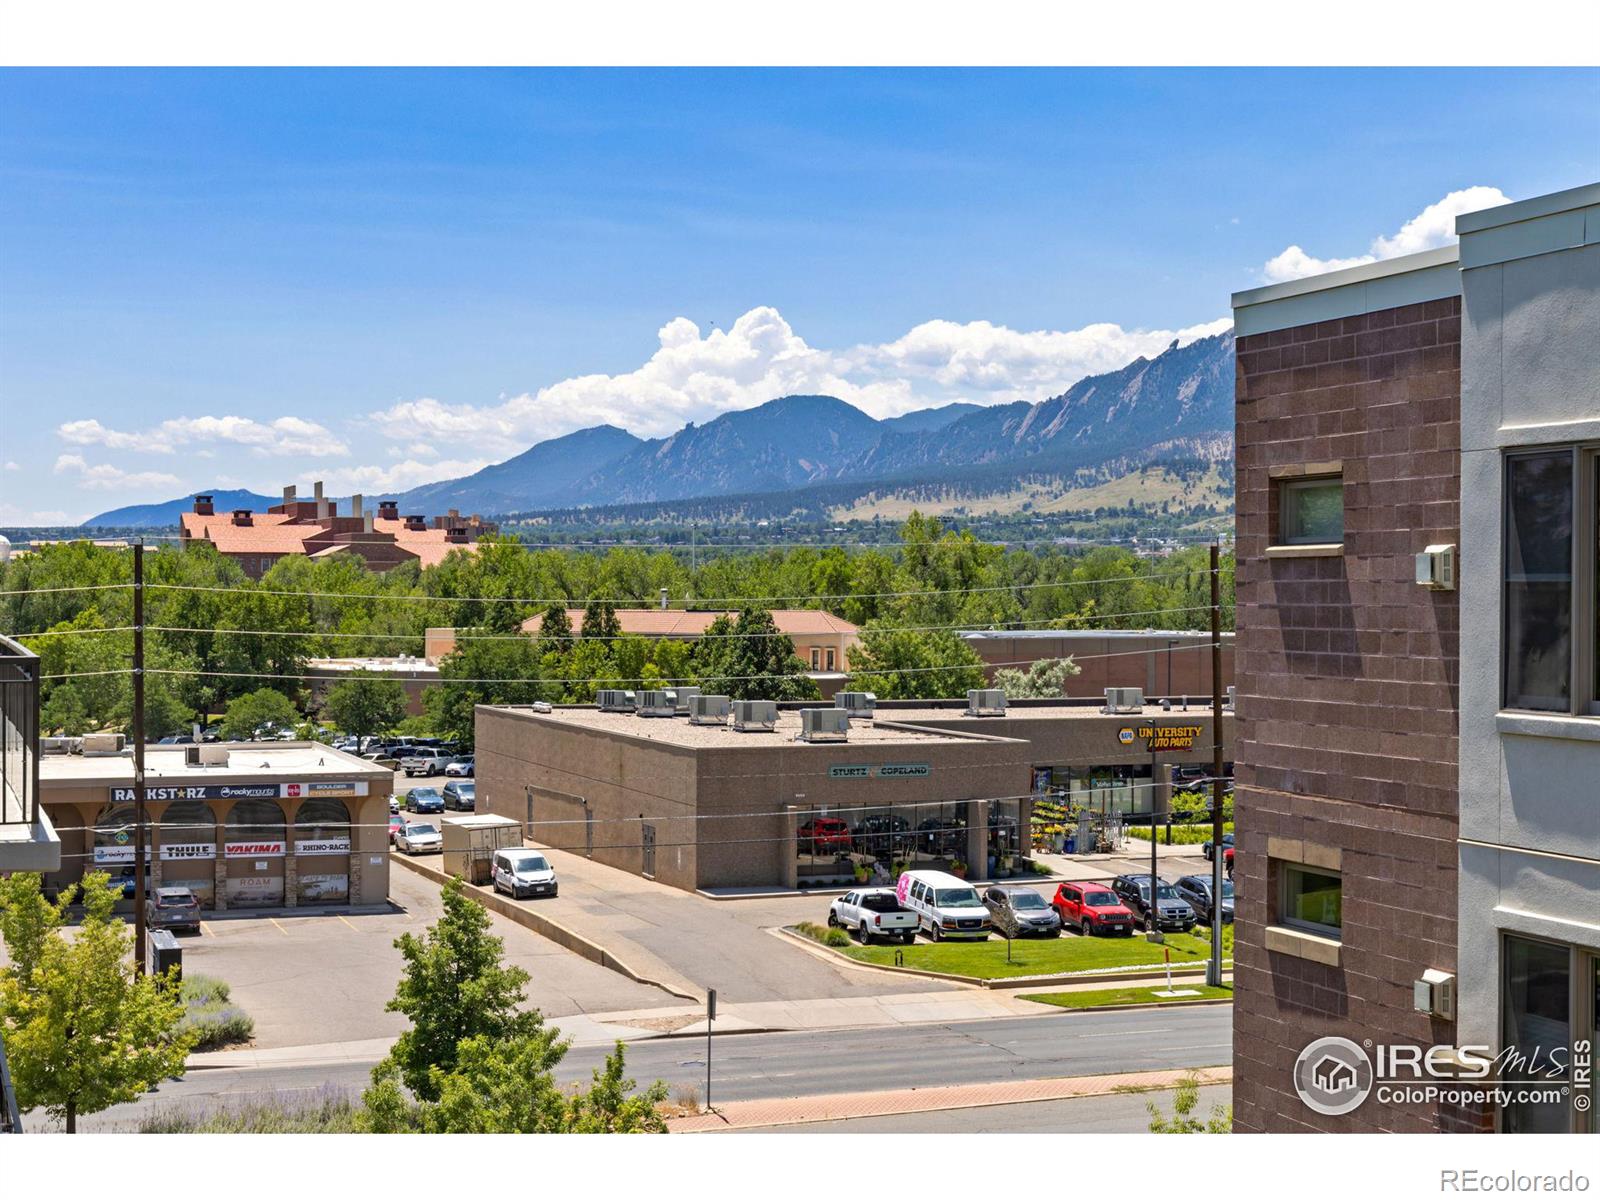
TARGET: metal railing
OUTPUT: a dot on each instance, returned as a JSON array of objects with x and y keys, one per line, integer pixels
[
  {"x": 10, "y": 1115},
  {"x": 19, "y": 734}
]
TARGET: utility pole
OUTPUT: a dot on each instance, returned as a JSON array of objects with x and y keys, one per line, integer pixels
[
  {"x": 711, "y": 1015},
  {"x": 1214, "y": 966},
  {"x": 138, "y": 758}
]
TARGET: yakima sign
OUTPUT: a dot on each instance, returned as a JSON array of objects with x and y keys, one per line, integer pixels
[{"x": 252, "y": 850}]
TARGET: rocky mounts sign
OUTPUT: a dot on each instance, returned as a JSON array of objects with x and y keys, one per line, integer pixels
[{"x": 1161, "y": 737}]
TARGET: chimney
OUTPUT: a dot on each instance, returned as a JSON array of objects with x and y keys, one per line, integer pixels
[
  {"x": 416, "y": 521},
  {"x": 288, "y": 495},
  {"x": 322, "y": 503},
  {"x": 202, "y": 506},
  {"x": 355, "y": 506},
  {"x": 455, "y": 517},
  {"x": 241, "y": 516},
  {"x": 389, "y": 510},
  {"x": 663, "y": 597},
  {"x": 366, "y": 522}
]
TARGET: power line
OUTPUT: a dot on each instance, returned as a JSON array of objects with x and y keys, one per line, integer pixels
[{"x": 86, "y": 587}]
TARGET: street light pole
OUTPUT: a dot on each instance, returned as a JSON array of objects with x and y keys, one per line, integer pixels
[
  {"x": 1214, "y": 966},
  {"x": 138, "y": 758}
]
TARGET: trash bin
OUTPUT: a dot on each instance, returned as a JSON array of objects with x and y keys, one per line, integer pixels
[
  {"x": 163, "y": 952},
  {"x": 1072, "y": 844}
]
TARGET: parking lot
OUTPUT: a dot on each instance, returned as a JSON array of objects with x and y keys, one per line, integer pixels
[{"x": 325, "y": 978}]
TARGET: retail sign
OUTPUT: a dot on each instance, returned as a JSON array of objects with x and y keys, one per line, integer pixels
[
  {"x": 296, "y": 791},
  {"x": 1161, "y": 737},
  {"x": 880, "y": 771},
  {"x": 269, "y": 849},
  {"x": 337, "y": 845},
  {"x": 241, "y": 791},
  {"x": 117, "y": 854},
  {"x": 184, "y": 851}
]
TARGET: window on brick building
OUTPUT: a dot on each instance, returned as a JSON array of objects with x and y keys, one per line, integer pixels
[
  {"x": 831, "y": 659},
  {"x": 1311, "y": 511},
  {"x": 1552, "y": 545},
  {"x": 1311, "y": 898},
  {"x": 816, "y": 658}
]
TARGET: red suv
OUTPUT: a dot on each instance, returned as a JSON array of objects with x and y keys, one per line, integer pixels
[
  {"x": 1092, "y": 908},
  {"x": 824, "y": 835}
]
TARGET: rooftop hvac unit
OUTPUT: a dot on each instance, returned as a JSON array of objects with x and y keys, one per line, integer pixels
[
  {"x": 986, "y": 702},
  {"x": 709, "y": 710},
  {"x": 614, "y": 700},
  {"x": 102, "y": 743},
  {"x": 682, "y": 697},
  {"x": 657, "y": 703},
  {"x": 755, "y": 716},
  {"x": 205, "y": 756},
  {"x": 824, "y": 725},
  {"x": 859, "y": 705},
  {"x": 56, "y": 745},
  {"x": 1124, "y": 700}
]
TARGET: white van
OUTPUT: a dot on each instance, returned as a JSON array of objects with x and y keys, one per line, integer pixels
[
  {"x": 523, "y": 873},
  {"x": 946, "y": 907}
]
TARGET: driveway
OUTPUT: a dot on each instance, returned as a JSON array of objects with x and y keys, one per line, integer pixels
[{"x": 313, "y": 979}]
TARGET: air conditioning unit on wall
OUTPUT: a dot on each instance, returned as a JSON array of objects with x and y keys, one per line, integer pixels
[
  {"x": 824, "y": 725},
  {"x": 1436, "y": 568}
]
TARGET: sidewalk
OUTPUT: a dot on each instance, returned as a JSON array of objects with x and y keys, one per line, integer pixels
[{"x": 752, "y": 1114}]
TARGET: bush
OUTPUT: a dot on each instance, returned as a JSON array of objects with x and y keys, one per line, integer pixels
[
  {"x": 811, "y": 930},
  {"x": 209, "y": 1014},
  {"x": 836, "y": 938},
  {"x": 332, "y": 1110},
  {"x": 1182, "y": 835}
]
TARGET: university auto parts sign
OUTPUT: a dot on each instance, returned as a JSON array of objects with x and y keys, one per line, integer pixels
[{"x": 1161, "y": 737}]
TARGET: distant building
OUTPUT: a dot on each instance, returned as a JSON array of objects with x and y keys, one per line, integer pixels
[
  {"x": 313, "y": 528},
  {"x": 416, "y": 675},
  {"x": 1164, "y": 662}
]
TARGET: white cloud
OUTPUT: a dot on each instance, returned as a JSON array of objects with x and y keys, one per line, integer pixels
[
  {"x": 103, "y": 477},
  {"x": 281, "y": 437},
  {"x": 11, "y": 466},
  {"x": 395, "y": 477},
  {"x": 695, "y": 377},
  {"x": 1433, "y": 226}
]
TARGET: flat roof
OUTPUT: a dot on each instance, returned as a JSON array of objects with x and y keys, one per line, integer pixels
[
  {"x": 676, "y": 731},
  {"x": 246, "y": 760},
  {"x": 389, "y": 665},
  {"x": 1044, "y": 712}
]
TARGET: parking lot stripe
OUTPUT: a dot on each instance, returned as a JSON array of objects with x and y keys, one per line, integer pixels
[
  {"x": 281, "y": 929},
  {"x": 341, "y": 917}
]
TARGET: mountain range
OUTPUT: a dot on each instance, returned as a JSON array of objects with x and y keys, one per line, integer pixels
[{"x": 1184, "y": 396}]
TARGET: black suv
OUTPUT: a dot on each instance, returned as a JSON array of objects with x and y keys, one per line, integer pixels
[
  {"x": 1173, "y": 914},
  {"x": 1196, "y": 893},
  {"x": 1021, "y": 912}
]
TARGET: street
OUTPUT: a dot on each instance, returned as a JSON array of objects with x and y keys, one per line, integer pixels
[{"x": 772, "y": 1065}]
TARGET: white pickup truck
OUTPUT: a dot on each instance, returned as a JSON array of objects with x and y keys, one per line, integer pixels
[{"x": 873, "y": 913}]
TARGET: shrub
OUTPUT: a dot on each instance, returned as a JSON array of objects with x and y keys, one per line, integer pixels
[
  {"x": 836, "y": 938},
  {"x": 332, "y": 1110},
  {"x": 811, "y": 930},
  {"x": 208, "y": 1013}
]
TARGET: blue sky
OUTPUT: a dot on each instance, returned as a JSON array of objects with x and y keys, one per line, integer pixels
[{"x": 246, "y": 278}]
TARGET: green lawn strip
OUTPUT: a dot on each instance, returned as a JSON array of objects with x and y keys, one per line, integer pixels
[
  {"x": 1145, "y": 994},
  {"x": 1044, "y": 956}
]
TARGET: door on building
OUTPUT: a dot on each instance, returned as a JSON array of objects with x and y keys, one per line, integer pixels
[{"x": 649, "y": 832}]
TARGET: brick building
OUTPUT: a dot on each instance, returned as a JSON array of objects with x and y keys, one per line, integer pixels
[
  {"x": 315, "y": 529},
  {"x": 1419, "y": 853},
  {"x": 1164, "y": 662}
]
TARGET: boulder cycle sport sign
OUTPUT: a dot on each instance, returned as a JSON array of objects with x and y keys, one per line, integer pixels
[{"x": 1161, "y": 737}]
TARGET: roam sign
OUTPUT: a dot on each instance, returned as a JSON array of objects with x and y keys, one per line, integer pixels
[
  {"x": 880, "y": 771},
  {"x": 1161, "y": 737}
]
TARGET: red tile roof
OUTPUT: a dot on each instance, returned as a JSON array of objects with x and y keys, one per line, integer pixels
[
  {"x": 682, "y": 623},
  {"x": 279, "y": 533}
]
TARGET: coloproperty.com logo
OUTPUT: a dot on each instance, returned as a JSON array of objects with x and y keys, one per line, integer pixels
[{"x": 1335, "y": 1076}]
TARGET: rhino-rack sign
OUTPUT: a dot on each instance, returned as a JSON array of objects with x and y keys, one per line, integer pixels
[
  {"x": 1161, "y": 737},
  {"x": 880, "y": 771},
  {"x": 338, "y": 845},
  {"x": 241, "y": 791}
]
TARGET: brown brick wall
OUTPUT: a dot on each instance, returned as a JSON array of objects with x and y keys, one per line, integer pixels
[{"x": 1347, "y": 676}]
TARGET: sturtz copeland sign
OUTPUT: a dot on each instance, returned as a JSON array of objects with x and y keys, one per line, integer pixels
[
  {"x": 1161, "y": 737},
  {"x": 880, "y": 771},
  {"x": 154, "y": 793}
]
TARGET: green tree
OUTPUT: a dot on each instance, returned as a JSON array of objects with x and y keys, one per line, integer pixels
[
  {"x": 454, "y": 987},
  {"x": 555, "y": 628},
  {"x": 1183, "y": 1120},
  {"x": 749, "y": 659},
  {"x": 1041, "y": 680},
  {"x": 263, "y": 707},
  {"x": 365, "y": 704},
  {"x": 905, "y": 664},
  {"x": 482, "y": 670},
  {"x": 83, "y": 1030},
  {"x": 600, "y": 620}
]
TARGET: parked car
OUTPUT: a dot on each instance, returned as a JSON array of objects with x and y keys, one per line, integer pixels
[
  {"x": 1196, "y": 893},
  {"x": 424, "y": 800},
  {"x": 524, "y": 873},
  {"x": 1173, "y": 915},
  {"x": 824, "y": 835},
  {"x": 945, "y": 906},
  {"x": 873, "y": 913},
  {"x": 459, "y": 768},
  {"x": 427, "y": 763},
  {"x": 397, "y": 826},
  {"x": 460, "y": 795},
  {"x": 882, "y": 834},
  {"x": 379, "y": 759},
  {"x": 173, "y": 908},
  {"x": 1205, "y": 846},
  {"x": 1227, "y": 861},
  {"x": 419, "y": 837},
  {"x": 1020, "y": 912},
  {"x": 1093, "y": 908},
  {"x": 177, "y": 739},
  {"x": 394, "y": 803}
]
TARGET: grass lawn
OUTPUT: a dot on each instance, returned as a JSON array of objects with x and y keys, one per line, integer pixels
[
  {"x": 1041, "y": 956},
  {"x": 1131, "y": 995}
]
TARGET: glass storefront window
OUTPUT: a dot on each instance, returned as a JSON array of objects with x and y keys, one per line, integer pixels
[
  {"x": 866, "y": 844},
  {"x": 189, "y": 849}
]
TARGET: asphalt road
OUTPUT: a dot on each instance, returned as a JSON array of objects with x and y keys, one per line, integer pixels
[{"x": 773, "y": 1065}]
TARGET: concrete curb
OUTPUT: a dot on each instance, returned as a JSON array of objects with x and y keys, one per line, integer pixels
[
  {"x": 1014, "y": 981},
  {"x": 1100, "y": 1008},
  {"x": 547, "y": 928}
]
